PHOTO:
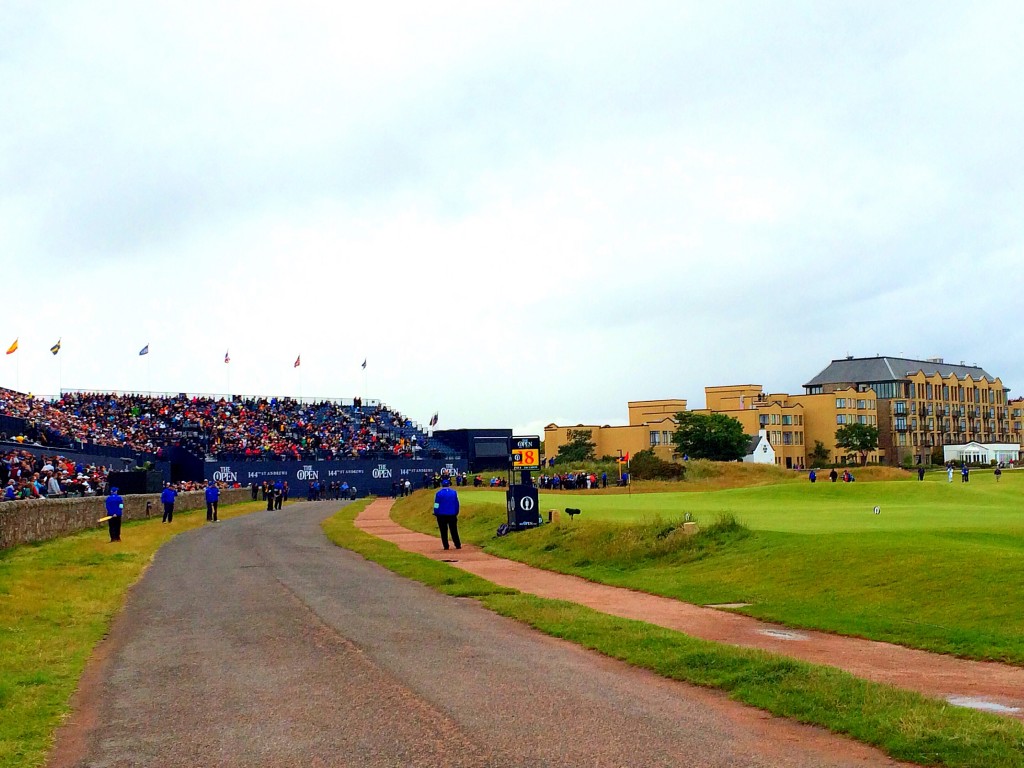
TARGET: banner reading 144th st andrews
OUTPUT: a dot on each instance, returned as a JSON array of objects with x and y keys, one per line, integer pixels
[{"x": 373, "y": 477}]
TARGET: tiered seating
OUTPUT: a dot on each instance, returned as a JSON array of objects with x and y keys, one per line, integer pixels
[{"x": 225, "y": 428}]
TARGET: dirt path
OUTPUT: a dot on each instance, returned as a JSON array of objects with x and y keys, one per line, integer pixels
[
  {"x": 257, "y": 642},
  {"x": 993, "y": 687}
]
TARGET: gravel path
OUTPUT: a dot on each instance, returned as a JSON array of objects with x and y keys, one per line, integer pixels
[
  {"x": 998, "y": 688},
  {"x": 257, "y": 642}
]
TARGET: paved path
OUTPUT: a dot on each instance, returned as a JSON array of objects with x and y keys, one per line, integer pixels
[
  {"x": 257, "y": 642},
  {"x": 984, "y": 685}
]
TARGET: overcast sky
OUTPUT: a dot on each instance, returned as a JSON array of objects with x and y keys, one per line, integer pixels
[{"x": 516, "y": 213}]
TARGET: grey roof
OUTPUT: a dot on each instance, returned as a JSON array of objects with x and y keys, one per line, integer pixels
[
  {"x": 755, "y": 440},
  {"x": 870, "y": 369}
]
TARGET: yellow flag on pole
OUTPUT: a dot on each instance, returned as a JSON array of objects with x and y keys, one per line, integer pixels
[{"x": 13, "y": 348}]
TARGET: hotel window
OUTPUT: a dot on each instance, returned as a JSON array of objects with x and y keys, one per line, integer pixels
[
  {"x": 840, "y": 402},
  {"x": 841, "y": 418},
  {"x": 655, "y": 438},
  {"x": 862, "y": 419},
  {"x": 787, "y": 421}
]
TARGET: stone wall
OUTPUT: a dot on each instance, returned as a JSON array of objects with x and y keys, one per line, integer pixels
[{"x": 31, "y": 520}]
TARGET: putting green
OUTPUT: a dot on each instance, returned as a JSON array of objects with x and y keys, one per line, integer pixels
[{"x": 822, "y": 507}]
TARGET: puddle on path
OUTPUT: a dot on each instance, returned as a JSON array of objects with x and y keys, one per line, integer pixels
[
  {"x": 984, "y": 705},
  {"x": 782, "y": 634}
]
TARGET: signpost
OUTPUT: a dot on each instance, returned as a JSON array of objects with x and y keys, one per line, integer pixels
[{"x": 522, "y": 498}]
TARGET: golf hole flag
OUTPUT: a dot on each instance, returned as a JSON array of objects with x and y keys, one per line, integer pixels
[{"x": 13, "y": 348}]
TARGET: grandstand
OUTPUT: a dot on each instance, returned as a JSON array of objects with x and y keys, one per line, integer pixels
[{"x": 187, "y": 430}]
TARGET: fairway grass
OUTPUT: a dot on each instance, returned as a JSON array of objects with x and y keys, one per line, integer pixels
[
  {"x": 57, "y": 600},
  {"x": 905, "y": 725},
  {"x": 940, "y": 569}
]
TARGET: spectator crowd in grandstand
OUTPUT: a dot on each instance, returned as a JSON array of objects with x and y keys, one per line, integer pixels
[
  {"x": 26, "y": 476},
  {"x": 223, "y": 428}
]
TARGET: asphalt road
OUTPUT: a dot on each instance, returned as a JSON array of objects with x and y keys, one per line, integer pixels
[{"x": 257, "y": 642}]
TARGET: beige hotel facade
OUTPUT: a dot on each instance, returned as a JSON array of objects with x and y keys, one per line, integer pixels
[{"x": 919, "y": 406}]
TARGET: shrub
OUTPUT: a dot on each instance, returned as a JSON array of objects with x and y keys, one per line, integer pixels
[{"x": 646, "y": 466}]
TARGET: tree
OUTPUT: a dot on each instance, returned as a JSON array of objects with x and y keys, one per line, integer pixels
[
  {"x": 712, "y": 436},
  {"x": 579, "y": 448},
  {"x": 820, "y": 455},
  {"x": 858, "y": 438}
]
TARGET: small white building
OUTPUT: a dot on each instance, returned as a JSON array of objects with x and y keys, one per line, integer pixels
[
  {"x": 981, "y": 453},
  {"x": 760, "y": 450}
]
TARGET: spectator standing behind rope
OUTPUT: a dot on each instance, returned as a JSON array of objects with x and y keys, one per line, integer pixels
[
  {"x": 212, "y": 496},
  {"x": 446, "y": 510},
  {"x": 115, "y": 508}
]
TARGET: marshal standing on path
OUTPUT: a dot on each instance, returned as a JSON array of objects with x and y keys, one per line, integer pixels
[
  {"x": 167, "y": 499},
  {"x": 115, "y": 508},
  {"x": 446, "y": 510},
  {"x": 212, "y": 497}
]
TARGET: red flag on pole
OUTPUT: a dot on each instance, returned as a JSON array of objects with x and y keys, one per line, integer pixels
[{"x": 298, "y": 361}]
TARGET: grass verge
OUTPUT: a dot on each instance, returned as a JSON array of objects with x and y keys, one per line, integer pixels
[
  {"x": 57, "y": 599},
  {"x": 957, "y": 591},
  {"x": 905, "y": 725}
]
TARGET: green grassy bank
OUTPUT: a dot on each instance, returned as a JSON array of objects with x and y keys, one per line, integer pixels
[
  {"x": 905, "y": 725},
  {"x": 57, "y": 599}
]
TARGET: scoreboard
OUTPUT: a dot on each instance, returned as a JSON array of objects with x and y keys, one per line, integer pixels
[{"x": 525, "y": 453}]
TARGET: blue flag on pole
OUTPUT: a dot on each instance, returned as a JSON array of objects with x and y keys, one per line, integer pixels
[{"x": 144, "y": 350}]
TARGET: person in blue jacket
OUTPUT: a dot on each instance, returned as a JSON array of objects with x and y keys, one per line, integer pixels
[
  {"x": 446, "y": 510},
  {"x": 167, "y": 498},
  {"x": 212, "y": 497},
  {"x": 115, "y": 509}
]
